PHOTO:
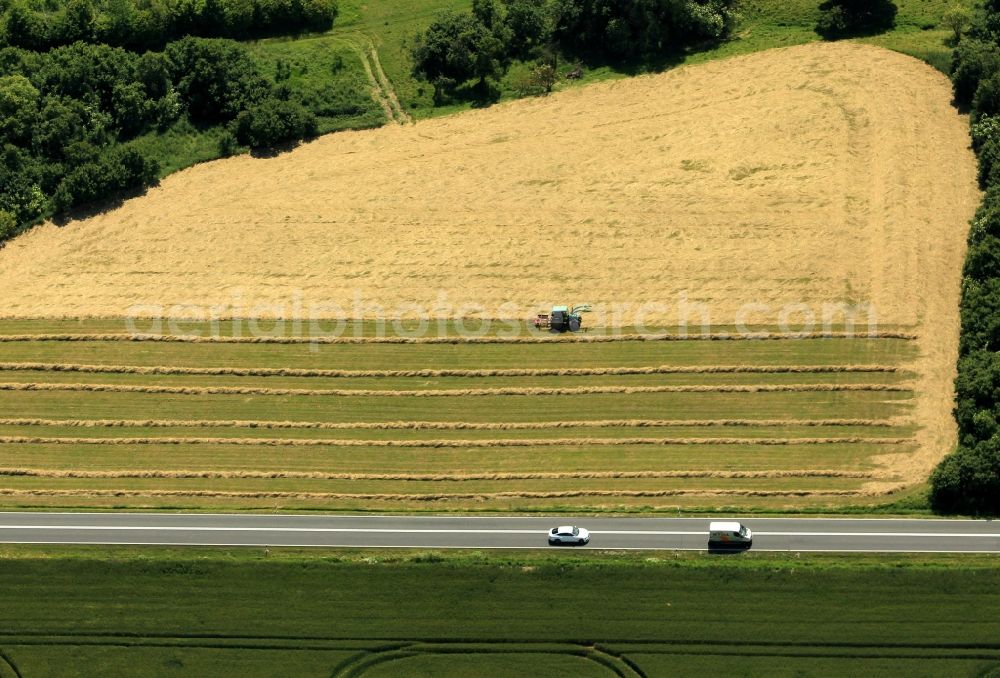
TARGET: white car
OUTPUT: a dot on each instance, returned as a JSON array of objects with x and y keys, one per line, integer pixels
[{"x": 568, "y": 534}]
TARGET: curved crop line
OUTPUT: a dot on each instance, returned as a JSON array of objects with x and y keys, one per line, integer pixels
[
  {"x": 439, "y": 477},
  {"x": 477, "y": 496},
  {"x": 445, "y": 443},
  {"x": 9, "y": 663},
  {"x": 445, "y": 393},
  {"x": 429, "y": 373},
  {"x": 446, "y": 425},
  {"x": 584, "y": 339}
]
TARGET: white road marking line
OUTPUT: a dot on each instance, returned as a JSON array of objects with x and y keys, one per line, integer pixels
[
  {"x": 874, "y": 534},
  {"x": 215, "y": 528}
]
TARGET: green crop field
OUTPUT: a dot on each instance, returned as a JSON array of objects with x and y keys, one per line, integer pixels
[
  {"x": 93, "y": 419},
  {"x": 160, "y": 612}
]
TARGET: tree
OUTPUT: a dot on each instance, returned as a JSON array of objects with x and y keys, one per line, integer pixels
[
  {"x": 319, "y": 15},
  {"x": 986, "y": 100},
  {"x": 980, "y": 315},
  {"x": 968, "y": 481},
  {"x": 843, "y": 18},
  {"x": 983, "y": 259},
  {"x": 493, "y": 15},
  {"x": 456, "y": 48},
  {"x": 153, "y": 71},
  {"x": 273, "y": 122},
  {"x": 531, "y": 24},
  {"x": 957, "y": 19},
  {"x": 236, "y": 17},
  {"x": 975, "y": 404},
  {"x": 18, "y": 108},
  {"x": 27, "y": 28},
  {"x": 545, "y": 77},
  {"x": 77, "y": 22},
  {"x": 131, "y": 111},
  {"x": 117, "y": 23},
  {"x": 216, "y": 78},
  {"x": 972, "y": 62}
]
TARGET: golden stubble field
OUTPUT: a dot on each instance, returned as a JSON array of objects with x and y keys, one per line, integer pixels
[{"x": 819, "y": 174}]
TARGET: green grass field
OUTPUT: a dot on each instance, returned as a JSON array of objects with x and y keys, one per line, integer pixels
[
  {"x": 331, "y": 67},
  {"x": 160, "y": 612},
  {"x": 560, "y": 425}
]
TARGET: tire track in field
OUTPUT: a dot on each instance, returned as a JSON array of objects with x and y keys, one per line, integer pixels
[
  {"x": 437, "y": 497},
  {"x": 376, "y": 91},
  {"x": 439, "y": 477},
  {"x": 455, "y": 393},
  {"x": 388, "y": 91},
  {"x": 432, "y": 373},
  {"x": 382, "y": 90},
  {"x": 571, "y": 339},
  {"x": 447, "y": 425},
  {"x": 448, "y": 443}
]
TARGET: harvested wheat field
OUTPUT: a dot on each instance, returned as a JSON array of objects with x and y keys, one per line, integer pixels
[{"x": 825, "y": 174}]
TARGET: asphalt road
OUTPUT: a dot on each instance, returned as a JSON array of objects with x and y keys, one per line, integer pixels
[{"x": 481, "y": 532}]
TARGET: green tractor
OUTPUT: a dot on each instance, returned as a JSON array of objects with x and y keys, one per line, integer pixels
[{"x": 562, "y": 319}]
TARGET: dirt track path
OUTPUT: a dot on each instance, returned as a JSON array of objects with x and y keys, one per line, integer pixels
[{"x": 382, "y": 90}]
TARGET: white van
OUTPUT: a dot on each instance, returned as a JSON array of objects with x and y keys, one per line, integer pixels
[{"x": 729, "y": 535}]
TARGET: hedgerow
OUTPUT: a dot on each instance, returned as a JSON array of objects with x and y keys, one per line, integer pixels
[
  {"x": 968, "y": 480},
  {"x": 151, "y": 24}
]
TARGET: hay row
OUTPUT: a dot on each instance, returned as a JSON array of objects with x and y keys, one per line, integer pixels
[
  {"x": 444, "y": 425},
  {"x": 446, "y": 393},
  {"x": 436, "y": 477},
  {"x": 474, "y": 496},
  {"x": 445, "y": 443},
  {"x": 585, "y": 339},
  {"x": 539, "y": 372}
]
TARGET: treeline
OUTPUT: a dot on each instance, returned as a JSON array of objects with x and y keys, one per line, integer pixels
[
  {"x": 968, "y": 480},
  {"x": 480, "y": 45},
  {"x": 151, "y": 24},
  {"x": 67, "y": 117},
  {"x": 848, "y": 18}
]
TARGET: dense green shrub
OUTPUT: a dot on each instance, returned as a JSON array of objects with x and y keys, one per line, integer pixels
[
  {"x": 273, "y": 122},
  {"x": 120, "y": 170},
  {"x": 972, "y": 62},
  {"x": 983, "y": 259},
  {"x": 976, "y": 389},
  {"x": 986, "y": 143},
  {"x": 980, "y": 313},
  {"x": 986, "y": 100},
  {"x": 215, "y": 78},
  {"x": 841, "y": 18},
  {"x": 640, "y": 29},
  {"x": 968, "y": 480},
  {"x": 8, "y": 225}
]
